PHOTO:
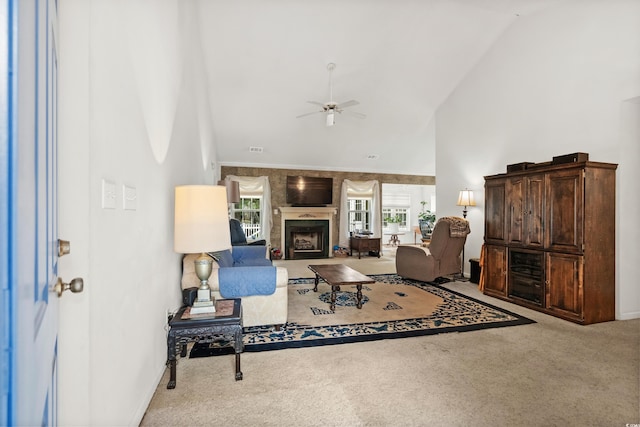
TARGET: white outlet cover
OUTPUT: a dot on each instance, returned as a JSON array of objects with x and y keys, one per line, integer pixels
[
  {"x": 129, "y": 198},
  {"x": 108, "y": 194}
]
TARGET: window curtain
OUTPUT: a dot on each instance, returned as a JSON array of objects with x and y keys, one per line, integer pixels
[
  {"x": 258, "y": 186},
  {"x": 359, "y": 189}
]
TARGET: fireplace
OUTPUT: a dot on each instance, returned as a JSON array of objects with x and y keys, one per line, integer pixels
[
  {"x": 306, "y": 239},
  {"x": 312, "y": 227}
]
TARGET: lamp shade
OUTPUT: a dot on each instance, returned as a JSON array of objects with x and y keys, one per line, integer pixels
[
  {"x": 466, "y": 198},
  {"x": 201, "y": 219},
  {"x": 233, "y": 190}
]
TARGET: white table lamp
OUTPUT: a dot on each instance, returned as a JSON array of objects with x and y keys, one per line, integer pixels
[{"x": 201, "y": 225}]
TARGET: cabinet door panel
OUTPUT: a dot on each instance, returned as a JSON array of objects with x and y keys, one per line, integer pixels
[
  {"x": 516, "y": 196},
  {"x": 525, "y": 195},
  {"x": 494, "y": 226},
  {"x": 535, "y": 211},
  {"x": 564, "y": 291},
  {"x": 494, "y": 269},
  {"x": 565, "y": 201}
]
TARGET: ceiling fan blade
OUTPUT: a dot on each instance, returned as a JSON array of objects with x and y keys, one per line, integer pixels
[
  {"x": 320, "y": 104},
  {"x": 356, "y": 114},
  {"x": 308, "y": 114},
  {"x": 350, "y": 103}
]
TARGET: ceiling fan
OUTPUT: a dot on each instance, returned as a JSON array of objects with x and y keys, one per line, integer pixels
[{"x": 331, "y": 107}]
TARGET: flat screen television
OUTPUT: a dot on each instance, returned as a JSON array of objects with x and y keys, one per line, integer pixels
[{"x": 309, "y": 191}]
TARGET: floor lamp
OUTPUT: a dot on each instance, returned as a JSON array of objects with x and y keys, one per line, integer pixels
[
  {"x": 233, "y": 193},
  {"x": 233, "y": 190},
  {"x": 465, "y": 198}
]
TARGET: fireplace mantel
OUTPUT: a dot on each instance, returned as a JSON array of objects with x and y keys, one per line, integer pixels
[{"x": 307, "y": 213}]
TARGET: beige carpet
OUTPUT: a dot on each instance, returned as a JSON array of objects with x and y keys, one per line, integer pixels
[{"x": 552, "y": 373}]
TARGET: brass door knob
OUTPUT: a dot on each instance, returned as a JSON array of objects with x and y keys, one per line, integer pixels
[{"x": 75, "y": 286}]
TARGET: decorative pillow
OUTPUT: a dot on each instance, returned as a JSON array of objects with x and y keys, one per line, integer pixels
[
  {"x": 224, "y": 258},
  {"x": 189, "y": 277},
  {"x": 250, "y": 256}
]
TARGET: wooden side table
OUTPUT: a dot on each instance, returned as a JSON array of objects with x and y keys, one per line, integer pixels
[
  {"x": 475, "y": 270},
  {"x": 364, "y": 244},
  {"x": 224, "y": 324},
  {"x": 394, "y": 240}
]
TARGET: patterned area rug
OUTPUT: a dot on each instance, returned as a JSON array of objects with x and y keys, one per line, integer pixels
[{"x": 393, "y": 307}]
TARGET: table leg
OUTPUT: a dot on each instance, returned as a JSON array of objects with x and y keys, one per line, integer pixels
[
  {"x": 359, "y": 295},
  {"x": 334, "y": 289},
  {"x": 238, "y": 346},
  {"x": 171, "y": 358},
  {"x": 172, "y": 374},
  {"x": 315, "y": 283},
  {"x": 238, "y": 371}
]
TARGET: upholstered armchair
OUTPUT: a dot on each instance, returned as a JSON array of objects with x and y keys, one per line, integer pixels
[
  {"x": 238, "y": 238},
  {"x": 440, "y": 258}
]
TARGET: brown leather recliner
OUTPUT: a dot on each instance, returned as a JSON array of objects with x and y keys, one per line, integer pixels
[{"x": 441, "y": 258}]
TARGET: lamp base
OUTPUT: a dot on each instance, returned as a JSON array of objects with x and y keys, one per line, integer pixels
[
  {"x": 204, "y": 303},
  {"x": 458, "y": 277},
  {"x": 203, "y": 307}
]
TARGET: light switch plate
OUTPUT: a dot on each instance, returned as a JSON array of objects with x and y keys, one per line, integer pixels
[
  {"x": 108, "y": 194},
  {"x": 129, "y": 198}
]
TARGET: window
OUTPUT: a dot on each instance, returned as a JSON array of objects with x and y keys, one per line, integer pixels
[
  {"x": 401, "y": 213},
  {"x": 254, "y": 209},
  {"x": 360, "y": 209},
  {"x": 248, "y": 213},
  {"x": 359, "y": 214}
]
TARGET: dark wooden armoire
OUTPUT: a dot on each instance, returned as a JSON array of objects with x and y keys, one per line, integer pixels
[{"x": 550, "y": 237}]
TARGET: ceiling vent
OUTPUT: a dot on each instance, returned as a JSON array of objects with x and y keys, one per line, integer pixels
[{"x": 256, "y": 149}]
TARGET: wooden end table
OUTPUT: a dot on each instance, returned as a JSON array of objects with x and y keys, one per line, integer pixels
[
  {"x": 337, "y": 275},
  {"x": 225, "y": 323},
  {"x": 394, "y": 240},
  {"x": 364, "y": 244}
]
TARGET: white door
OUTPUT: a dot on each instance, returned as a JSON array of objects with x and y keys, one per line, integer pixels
[{"x": 28, "y": 188}]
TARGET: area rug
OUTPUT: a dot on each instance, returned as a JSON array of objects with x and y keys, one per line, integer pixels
[{"x": 392, "y": 307}]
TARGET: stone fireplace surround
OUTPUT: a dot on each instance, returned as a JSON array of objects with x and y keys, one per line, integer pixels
[{"x": 304, "y": 215}]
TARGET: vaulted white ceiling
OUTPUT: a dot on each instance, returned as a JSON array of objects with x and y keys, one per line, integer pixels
[{"x": 400, "y": 59}]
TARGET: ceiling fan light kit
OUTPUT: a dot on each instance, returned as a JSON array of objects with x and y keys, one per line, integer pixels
[
  {"x": 331, "y": 119},
  {"x": 331, "y": 107}
]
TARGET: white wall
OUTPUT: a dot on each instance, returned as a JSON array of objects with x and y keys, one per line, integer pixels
[
  {"x": 131, "y": 111},
  {"x": 554, "y": 83}
]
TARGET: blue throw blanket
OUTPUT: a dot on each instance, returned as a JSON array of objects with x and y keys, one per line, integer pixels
[{"x": 238, "y": 282}]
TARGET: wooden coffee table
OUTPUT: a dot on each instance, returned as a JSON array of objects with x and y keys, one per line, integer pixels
[{"x": 337, "y": 275}]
